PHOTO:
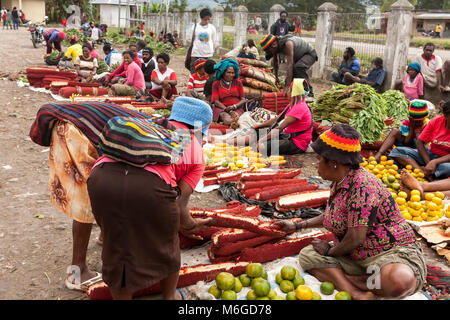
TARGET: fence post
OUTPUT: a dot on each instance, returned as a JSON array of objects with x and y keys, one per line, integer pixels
[
  {"x": 187, "y": 25},
  {"x": 240, "y": 25},
  {"x": 218, "y": 22},
  {"x": 176, "y": 20},
  {"x": 275, "y": 14},
  {"x": 398, "y": 36},
  {"x": 324, "y": 38}
]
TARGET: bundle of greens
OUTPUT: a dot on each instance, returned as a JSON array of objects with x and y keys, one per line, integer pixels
[
  {"x": 102, "y": 66},
  {"x": 397, "y": 106},
  {"x": 358, "y": 105}
]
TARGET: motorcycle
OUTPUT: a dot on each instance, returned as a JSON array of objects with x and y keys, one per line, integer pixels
[{"x": 37, "y": 33}]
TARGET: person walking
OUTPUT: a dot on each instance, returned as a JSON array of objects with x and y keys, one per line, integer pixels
[
  {"x": 3, "y": 15},
  {"x": 8, "y": 19},
  {"x": 204, "y": 39}
]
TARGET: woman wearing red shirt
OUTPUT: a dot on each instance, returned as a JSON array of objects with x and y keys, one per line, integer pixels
[{"x": 228, "y": 96}]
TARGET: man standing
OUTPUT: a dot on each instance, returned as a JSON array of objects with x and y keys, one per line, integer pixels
[
  {"x": 299, "y": 53},
  {"x": 148, "y": 65},
  {"x": 349, "y": 64},
  {"x": 205, "y": 38},
  {"x": 438, "y": 30},
  {"x": 431, "y": 68},
  {"x": 15, "y": 18},
  {"x": 281, "y": 27}
]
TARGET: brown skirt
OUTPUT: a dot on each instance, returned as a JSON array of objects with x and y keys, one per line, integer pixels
[{"x": 139, "y": 218}]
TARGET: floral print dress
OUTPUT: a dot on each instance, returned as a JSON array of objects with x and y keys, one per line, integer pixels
[{"x": 362, "y": 200}]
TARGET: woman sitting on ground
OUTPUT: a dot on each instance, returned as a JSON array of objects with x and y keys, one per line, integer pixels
[
  {"x": 163, "y": 79},
  {"x": 228, "y": 96},
  {"x": 365, "y": 219},
  {"x": 86, "y": 65},
  {"x": 413, "y": 84},
  {"x": 134, "y": 83}
]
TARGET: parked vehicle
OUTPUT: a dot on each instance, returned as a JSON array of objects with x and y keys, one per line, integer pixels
[{"x": 37, "y": 33}]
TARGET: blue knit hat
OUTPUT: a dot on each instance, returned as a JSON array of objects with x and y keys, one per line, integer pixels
[{"x": 192, "y": 111}]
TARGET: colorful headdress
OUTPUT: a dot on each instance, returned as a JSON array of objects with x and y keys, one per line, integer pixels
[
  {"x": 340, "y": 143},
  {"x": 267, "y": 41},
  {"x": 418, "y": 110},
  {"x": 199, "y": 63}
]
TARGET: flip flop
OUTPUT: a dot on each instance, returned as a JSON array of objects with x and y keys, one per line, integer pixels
[
  {"x": 83, "y": 286},
  {"x": 183, "y": 295}
]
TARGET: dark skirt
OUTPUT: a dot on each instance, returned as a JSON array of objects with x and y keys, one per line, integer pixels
[{"x": 139, "y": 218}]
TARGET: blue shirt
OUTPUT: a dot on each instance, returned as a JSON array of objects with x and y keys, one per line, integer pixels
[
  {"x": 54, "y": 36},
  {"x": 377, "y": 76},
  {"x": 108, "y": 56},
  {"x": 353, "y": 65}
]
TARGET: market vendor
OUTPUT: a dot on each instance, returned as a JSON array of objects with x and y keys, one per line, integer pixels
[
  {"x": 120, "y": 72},
  {"x": 73, "y": 51},
  {"x": 350, "y": 64},
  {"x": 140, "y": 211},
  {"x": 435, "y": 160},
  {"x": 410, "y": 129},
  {"x": 408, "y": 183},
  {"x": 53, "y": 38},
  {"x": 197, "y": 80},
  {"x": 134, "y": 83},
  {"x": 365, "y": 219},
  {"x": 299, "y": 53},
  {"x": 227, "y": 96},
  {"x": 164, "y": 79},
  {"x": 293, "y": 127},
  {"x": 412, "y": 84},
  {"x": 86, "y": 65}
]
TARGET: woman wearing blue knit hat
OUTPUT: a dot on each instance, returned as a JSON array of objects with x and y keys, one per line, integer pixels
[{"x": 140, "y": 211}]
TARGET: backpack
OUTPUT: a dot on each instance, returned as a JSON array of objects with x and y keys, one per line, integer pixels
[{"x": 142, "y": 142}]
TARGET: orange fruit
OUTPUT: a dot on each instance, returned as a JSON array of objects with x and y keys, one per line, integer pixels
[
  {"x": 245, "y": 280},
  {"x": 229, "y": 295},
  {"x": 216, "y": 292},
  {"x": 288, "y": 273},
  {"x": 437, "y": 200},
  {"x": 261, "y": 287},
  {"x": 298, "y": 280},
  {"x": 316, "y": 296},
  {"x": 415, "y": 192},
  {"x": 237, "y": 285},
  {"x": 429, "y": 196},
  {"x": 225, "y": 281},
  {"x": 251, "y": 295},
  {"x": 416, "y": 198},
  {"x": 440, "y": 195},
  {"x": 343, "y": 295},
  {"x": 400, "y": 200},
  {"x": 402, "y": 194},
  {"x": 327, "y": 288},
  {"x": 303, "y": 293},
  {"x": 291, "y": 296},
  {"x": 254, "y": 270},
  {"x": 286, "y": 286}
]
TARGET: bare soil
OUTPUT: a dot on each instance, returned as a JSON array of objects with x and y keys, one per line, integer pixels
[{"x": 35, "y": 252}]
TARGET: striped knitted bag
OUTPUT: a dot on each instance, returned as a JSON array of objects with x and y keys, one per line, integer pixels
[{"x": 141, "y": 142}]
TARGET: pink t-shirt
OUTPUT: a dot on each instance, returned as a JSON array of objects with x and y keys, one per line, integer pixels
[
  {"x": 413, "y": 90},
  {"x": 301, "y": 112},
  {"x": 189, "y": 168},
  {"x": 135, "y": 77}
]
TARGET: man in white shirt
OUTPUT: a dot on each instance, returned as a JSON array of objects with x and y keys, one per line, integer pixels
[
  {"x": 205, "y": 38},
  {"x": 431, "y": 69},
  {"x": 95, "y": 33}
]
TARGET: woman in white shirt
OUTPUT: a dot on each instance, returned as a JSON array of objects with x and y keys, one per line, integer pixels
[{"x": 204, "y": 39}]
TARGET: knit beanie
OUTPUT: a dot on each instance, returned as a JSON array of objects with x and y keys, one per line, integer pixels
[
  {"x": 62, "y": 35},
  {"x": 267, "y": 41},
  {"x": 340, "y": 143},
  {"x": 199, "y": 63},
  {"x": 418, "y": 110},
  {"x": 193, "y": 112}
]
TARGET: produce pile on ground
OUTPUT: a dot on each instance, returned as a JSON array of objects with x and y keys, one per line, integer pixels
[
  {"x": 362, "y": 107},
  {"x": 412, "y": 207},
  {"x": 287, "y": 285}
]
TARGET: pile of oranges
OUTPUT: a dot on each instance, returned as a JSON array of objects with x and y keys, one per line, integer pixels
[
  {"x": 432, "y": 209},
  {"x": 237, "y": 158}
]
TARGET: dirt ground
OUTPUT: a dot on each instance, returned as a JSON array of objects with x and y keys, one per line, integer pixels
[{"x": 35, "y": 252}]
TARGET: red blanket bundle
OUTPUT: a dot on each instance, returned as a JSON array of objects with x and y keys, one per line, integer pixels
[
  {"x": 109, "y": 99},
  {"x": 36, "y": 76},
  {"x": 67, "y": 92}
]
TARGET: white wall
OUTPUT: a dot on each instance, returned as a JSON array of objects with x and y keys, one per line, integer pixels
[{"x": 109, "y": 14}]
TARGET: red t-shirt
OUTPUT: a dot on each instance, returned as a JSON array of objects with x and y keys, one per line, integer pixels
[
  {"x": 228, "y": 96},
  {"x": 189, "y": 168},
  {"x": 438, "y": 136},
  {"x": 301, "y": 112}
]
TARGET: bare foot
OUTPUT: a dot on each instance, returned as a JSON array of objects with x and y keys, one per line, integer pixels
[{"x": 410, "y": 182}]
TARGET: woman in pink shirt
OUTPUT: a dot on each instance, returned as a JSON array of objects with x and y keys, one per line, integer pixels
[
  {"x": 294, "y": 132},
  {"x": 413, "y": 82},
  {"x": 140, "y": 211},
  {"x": 134, "y": 83}
]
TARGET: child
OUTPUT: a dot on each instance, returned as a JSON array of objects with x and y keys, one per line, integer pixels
[
  {"x": 413, "y": 82},
  {"x": 409, "y": 131},
  {"x": 197, "y": 80}
]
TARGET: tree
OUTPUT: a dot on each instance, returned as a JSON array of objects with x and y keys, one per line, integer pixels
[{"x": 388, "y": 3}]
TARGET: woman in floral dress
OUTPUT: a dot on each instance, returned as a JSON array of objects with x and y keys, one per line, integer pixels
[{"x": 375, "y": 252}]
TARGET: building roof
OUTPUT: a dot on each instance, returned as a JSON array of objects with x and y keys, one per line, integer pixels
[{"x": 434, "y": 16}]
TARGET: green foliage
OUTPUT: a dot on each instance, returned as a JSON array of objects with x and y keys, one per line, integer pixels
[{"x": 102, "y": 66}]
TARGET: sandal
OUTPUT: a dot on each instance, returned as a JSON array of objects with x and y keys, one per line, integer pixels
[
  {"x": 183, "y": 295},
  {"x": 83, "y": 286}
]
